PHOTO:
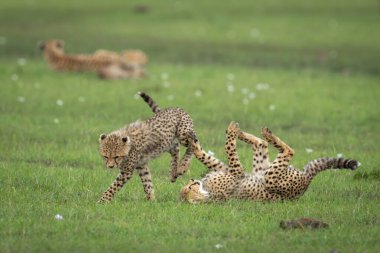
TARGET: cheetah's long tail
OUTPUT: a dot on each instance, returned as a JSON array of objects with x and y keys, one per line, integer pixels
[
  {"x": 150, "y": 102},
  {"x": 314, "y": 167}
]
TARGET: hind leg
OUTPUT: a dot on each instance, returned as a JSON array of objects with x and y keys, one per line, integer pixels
[
  {"x": 185, "y": 162},
  {"x": 260, "y": 160},
  {"x": 280, "y": 178},
  {"x": 185, "y": 129},
  {"x": 174, "y": 152},
  {"x": 235, "y": 167},
  {"x": 285, "y": 153}
]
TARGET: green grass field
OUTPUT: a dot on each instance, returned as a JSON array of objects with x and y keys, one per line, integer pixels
[{"x": 309, "y": 71}]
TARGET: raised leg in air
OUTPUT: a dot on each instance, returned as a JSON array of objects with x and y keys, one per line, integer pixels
[
  {"x": 260, "y": 160},
  {"x": 285, "y": 153},
  {"x": 235, "y": 167},
  {"x": 208, "y": 160}
]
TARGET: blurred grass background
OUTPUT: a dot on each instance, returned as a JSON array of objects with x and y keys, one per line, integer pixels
[
  {"x": 307, "y": 70},
  {"x": 337, "y": 35}
]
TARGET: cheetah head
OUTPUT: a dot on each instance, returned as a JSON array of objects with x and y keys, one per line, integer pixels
[
  {"x": 193, "y": 192},
  {"x": 56, "y": 46},
  {"x": 135, "y": 57},
  {"x": 114, "y": 149}
]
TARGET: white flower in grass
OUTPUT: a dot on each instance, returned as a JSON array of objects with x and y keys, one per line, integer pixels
[
  {"x": 198, "y": 93},
  {"x": 3, "y": 41},
  {"x": 333, "y": 54},
  {"x": 59, "y": 102},
  {"x": 230, "y": 76},
  {"x": 164, "y": 76},
  {"x": 252, "y": 95},
  {"x": 254, "y": 33},
  {"x": 272, "y": 107},
  {"x": 56, "y": 121},
  {"x": 245, "y": 101},
  {"x": 244, "y": 91},
  {"x": 37, "y": 85},
  {"x": 230, "y": 88},
  {"x": 231, "y": 34},
  {"x": 58, "y": 217},
  {"x": 21, "y": 99},
  {"x": 81, "y": 99},
  {"x": 359, "y": 164},
  {"x": 218, "y": 246},
  {"x": 166, "y": 84},
  {"x": 309, "y": 150},
  {"x": 21, "y": 61},
  {"x": 339, "y": 155},
  {"x": 262, "y": 86},
  {"x": 210, "y": 153},
  {"x": 170, "y": 97},
  {"x": 14, "y": 77},
  {"x": 332, "y": 23}
]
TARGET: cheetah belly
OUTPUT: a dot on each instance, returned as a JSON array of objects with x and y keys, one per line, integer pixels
[
  {"x": 219, "y": 185},
  {"x": 155, "y": 149},
  {"x": 252, "y": 186}
]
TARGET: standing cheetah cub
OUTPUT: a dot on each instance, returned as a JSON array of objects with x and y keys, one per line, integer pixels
[
  {"x": 133, "y": 146},
  {"x": 268, "y": 181}
]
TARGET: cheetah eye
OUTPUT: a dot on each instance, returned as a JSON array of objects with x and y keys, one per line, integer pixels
[
  {"x": 105, "y": 157},
  {"x": 117, "y": 157}
]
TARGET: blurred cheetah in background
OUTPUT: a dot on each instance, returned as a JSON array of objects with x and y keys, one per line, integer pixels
[{"x": 106, "y": 64}]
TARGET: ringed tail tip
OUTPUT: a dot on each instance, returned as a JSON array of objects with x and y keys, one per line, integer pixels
[{"x": 352, "y": 164}]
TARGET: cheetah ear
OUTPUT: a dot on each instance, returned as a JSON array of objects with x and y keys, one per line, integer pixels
[
  {"x": 102, "y": 137},
  {"x": 125, "y": 139}
]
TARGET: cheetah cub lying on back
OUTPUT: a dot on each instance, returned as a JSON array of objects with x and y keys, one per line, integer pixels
[
  {"x": 268, "y": 181},
  {"x": 133, "y": 146}
]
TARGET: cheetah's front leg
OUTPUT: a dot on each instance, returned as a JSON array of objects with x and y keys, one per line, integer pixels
[
  {"x": 146, "y": 180},
  {"x": 126, "y": 172},
  {"x": 121, "y": 179}
]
